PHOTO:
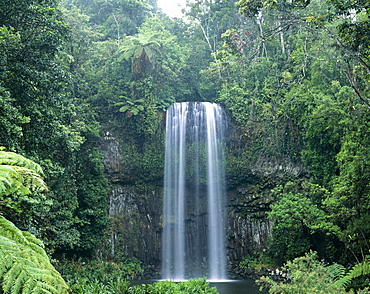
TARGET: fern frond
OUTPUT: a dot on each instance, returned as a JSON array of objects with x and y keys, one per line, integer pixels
[
  {"x": 335, "y": 271},
  {"x": 41, "y": 290},
  {"x": 30, "y": 178},
  {"x": 360, "y": 269},
  {"x": 14, "y": 159},
  {"x": 24, "y": 265},
  {"x": 35, "y": 244},
  {"x": 10, "y": 231},
  {"x": 46, "y": 287},
  {"x": 5, "y": 264},
  {"x": 343, "y": 282},
  {"x": 32, "y": 239},
  {"x": 19, "y": 174},
  {"x": 21, "y": 279},
  {"x": 11, "y": 276},
  {"x": 344, "y": 279},
  {"x": 29, "y": 285},
  {"x": 7, "y": 175}
]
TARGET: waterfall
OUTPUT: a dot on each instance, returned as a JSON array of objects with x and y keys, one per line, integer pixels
[{"x": 193, "y": 238}]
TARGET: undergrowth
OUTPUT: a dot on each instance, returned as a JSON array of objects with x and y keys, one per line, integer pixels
[{"x": 100, "y": 277}]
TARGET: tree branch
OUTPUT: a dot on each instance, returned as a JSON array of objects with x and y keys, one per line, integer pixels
[{"x": 341, "y": 45}]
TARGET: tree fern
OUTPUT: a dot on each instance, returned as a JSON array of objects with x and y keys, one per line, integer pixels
[
  {"x": 14, "y": 159},
  {"x": 24, "y": 264},
  {"x": 19, "y": 177},
  {"x": 19, "y": 174},
  {"x": 142, "y": 50},
  {"x": 335, "y": 271}
]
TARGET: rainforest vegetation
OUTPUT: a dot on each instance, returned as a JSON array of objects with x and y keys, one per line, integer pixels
[{"x": 293, "y": 76}]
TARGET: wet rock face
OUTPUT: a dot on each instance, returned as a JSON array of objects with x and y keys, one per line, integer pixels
[
  {"x": 135, "y": 217},
  {"x": 114, "y": 163},
  {"x": 248, "y": 228},
  {"x": 136, "y": 210},
  {"x": 277, "y": 168},
  {"x": 248, "y": 203}
]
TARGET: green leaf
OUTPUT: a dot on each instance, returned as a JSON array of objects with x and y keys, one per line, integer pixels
[
  {"x": 19, "y": 174},
  {"x": 135, "y": 111},
  {"x": 124, "y": 108},
  {"x": 24, "y": 264}
]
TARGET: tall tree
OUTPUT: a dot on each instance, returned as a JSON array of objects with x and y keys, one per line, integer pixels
[
  {"x": 342, "y": 21},
  {"x": 42, "y": 118},
  {"x": 141, "y": 51},
  {"x": 319, "y": 69},
  {"x": 114, "y": 19}
]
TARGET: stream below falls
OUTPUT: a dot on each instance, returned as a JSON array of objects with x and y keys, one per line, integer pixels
[{"x": 226, "y": 287}]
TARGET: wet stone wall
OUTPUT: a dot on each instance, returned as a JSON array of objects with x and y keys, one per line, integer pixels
[{"x": 135, "y": 210}]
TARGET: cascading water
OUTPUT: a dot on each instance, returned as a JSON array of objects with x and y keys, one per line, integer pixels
[{"x": 193, "y": 243}]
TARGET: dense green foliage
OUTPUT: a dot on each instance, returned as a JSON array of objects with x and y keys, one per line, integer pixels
[
  {"x": 191, "y": 286},
  {"x": 296, "y": 76},
  {"x": 112, "y": 278},
  {"x": 24, "y": 264},
  {"x": 293, "y": 76},
  {"x": 43, "y": 120},
  {"x": 99, "y": 270},
  {"x": 299, "y": 223},
  {"x": 307, "y": 275}
]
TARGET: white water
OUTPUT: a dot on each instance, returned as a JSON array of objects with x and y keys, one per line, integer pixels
[{"x": 193, "y": 243}]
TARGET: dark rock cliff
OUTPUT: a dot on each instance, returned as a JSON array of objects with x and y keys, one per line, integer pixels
[{"x": 135, "y": 207}]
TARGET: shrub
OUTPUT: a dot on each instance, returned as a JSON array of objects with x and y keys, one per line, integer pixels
[
  {"x": 200, "y": 286},
  {"x": 307, "y": 275}
]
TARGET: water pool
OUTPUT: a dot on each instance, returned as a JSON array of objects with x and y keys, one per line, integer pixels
[{"x": 224, "y": 287}]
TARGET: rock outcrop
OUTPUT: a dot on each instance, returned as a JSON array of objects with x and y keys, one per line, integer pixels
[{"x": 135, "y": 208}]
